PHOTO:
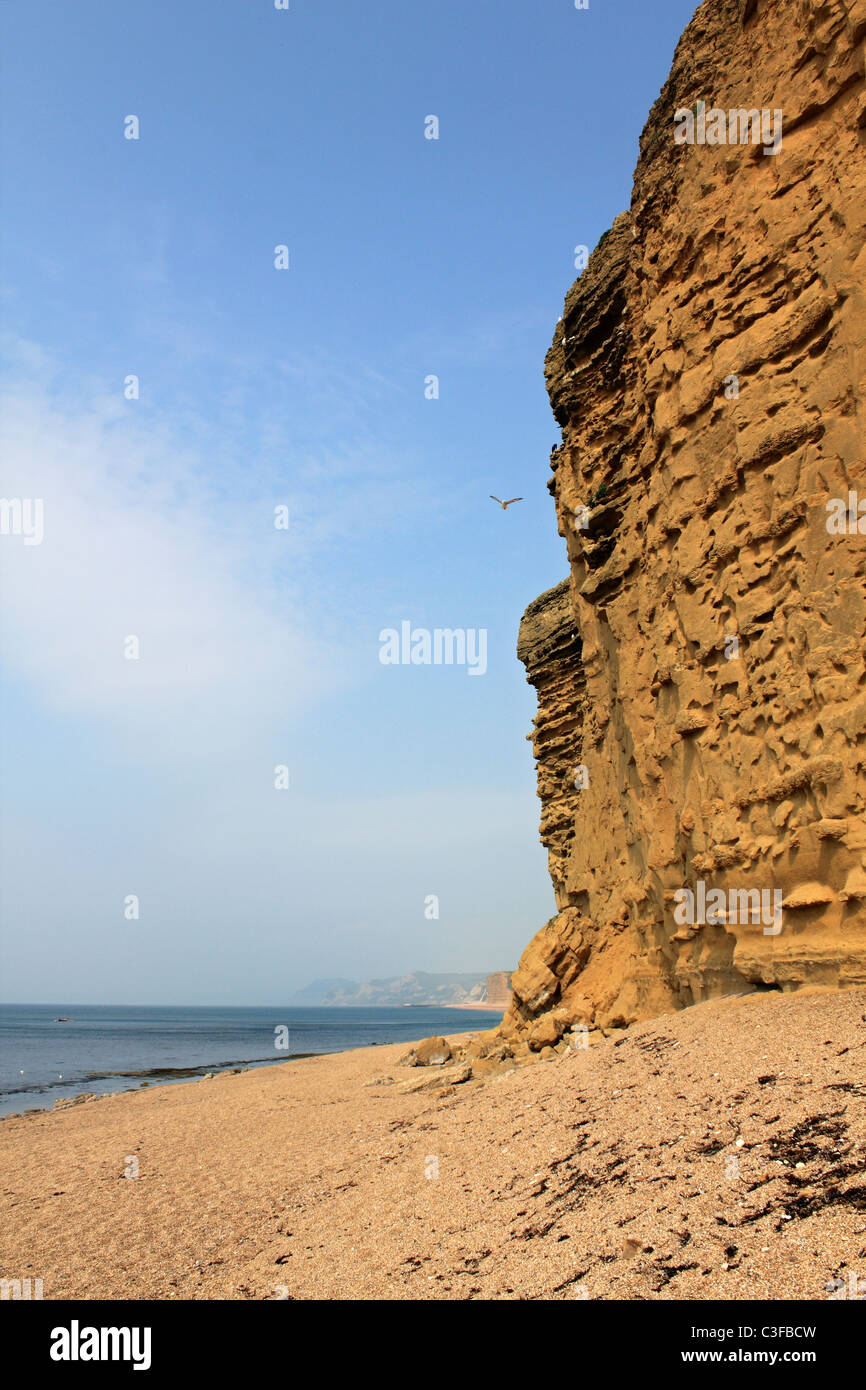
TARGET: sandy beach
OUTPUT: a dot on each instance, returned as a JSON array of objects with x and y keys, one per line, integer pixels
[{"x": 715, "y": 1153}]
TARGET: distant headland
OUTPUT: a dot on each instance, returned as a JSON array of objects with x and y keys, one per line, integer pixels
[{"x": 468, "y": 991}]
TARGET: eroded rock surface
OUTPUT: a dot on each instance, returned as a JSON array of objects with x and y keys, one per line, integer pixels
[{"x": 704, "y": 662}]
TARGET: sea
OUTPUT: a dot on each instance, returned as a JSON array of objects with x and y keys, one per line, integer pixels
[{"x": 49, "y": 1051}]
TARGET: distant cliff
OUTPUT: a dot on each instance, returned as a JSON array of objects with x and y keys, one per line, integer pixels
[
  {"x": 701, "y": 678},
  {"x": 415, "y": 988}
]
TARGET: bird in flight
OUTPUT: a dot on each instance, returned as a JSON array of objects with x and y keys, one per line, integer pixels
[{"x": 502, "y": 504}]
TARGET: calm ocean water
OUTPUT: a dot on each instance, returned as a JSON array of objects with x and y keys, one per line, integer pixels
[{"x": 116, "y": 1048}]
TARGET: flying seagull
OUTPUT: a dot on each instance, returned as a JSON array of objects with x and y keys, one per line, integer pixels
[{"x": 502, "y": 504}]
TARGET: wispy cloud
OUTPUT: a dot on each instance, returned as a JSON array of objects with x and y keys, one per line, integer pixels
[{"x": 140, "y": 542}]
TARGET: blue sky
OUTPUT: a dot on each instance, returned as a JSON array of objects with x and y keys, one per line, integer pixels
[{"x": 304, "y": 388}]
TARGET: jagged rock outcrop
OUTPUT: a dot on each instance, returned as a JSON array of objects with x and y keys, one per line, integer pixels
[
  {"x": 704, "y": 662},
  {"x": 549, "y": 647}
]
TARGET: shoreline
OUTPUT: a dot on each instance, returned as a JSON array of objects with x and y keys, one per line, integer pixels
[
  {"x": 214, "y": 1073},
  {"x": 91, "y": 1084},
  {"x": 471, "y": 1008},
  {"x": 162, "y": 1076}
]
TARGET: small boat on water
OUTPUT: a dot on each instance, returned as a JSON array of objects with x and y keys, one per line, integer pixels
[{"x": 63, "y": 1020}]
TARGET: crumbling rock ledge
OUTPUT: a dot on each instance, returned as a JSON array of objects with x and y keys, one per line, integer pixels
[{"x": 700, "y": 674}]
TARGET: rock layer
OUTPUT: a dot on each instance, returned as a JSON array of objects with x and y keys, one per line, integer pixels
[{"x": 700, "y": 675}]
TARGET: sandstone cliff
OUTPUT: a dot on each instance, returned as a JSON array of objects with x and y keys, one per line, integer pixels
[
  {"x": 498, "y": 990},
  {"x": 700, "y": 675}
]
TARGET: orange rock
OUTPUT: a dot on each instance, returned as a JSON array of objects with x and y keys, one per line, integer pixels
[{"x": 700, "y": 673}]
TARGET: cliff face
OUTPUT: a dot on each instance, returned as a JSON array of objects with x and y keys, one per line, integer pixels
[
  {"x": 701, "y": 677},
  {"x": 498, "y": 989}
]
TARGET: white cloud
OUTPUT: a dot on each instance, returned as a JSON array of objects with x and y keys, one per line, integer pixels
[{"x": 137, "y": 543}]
